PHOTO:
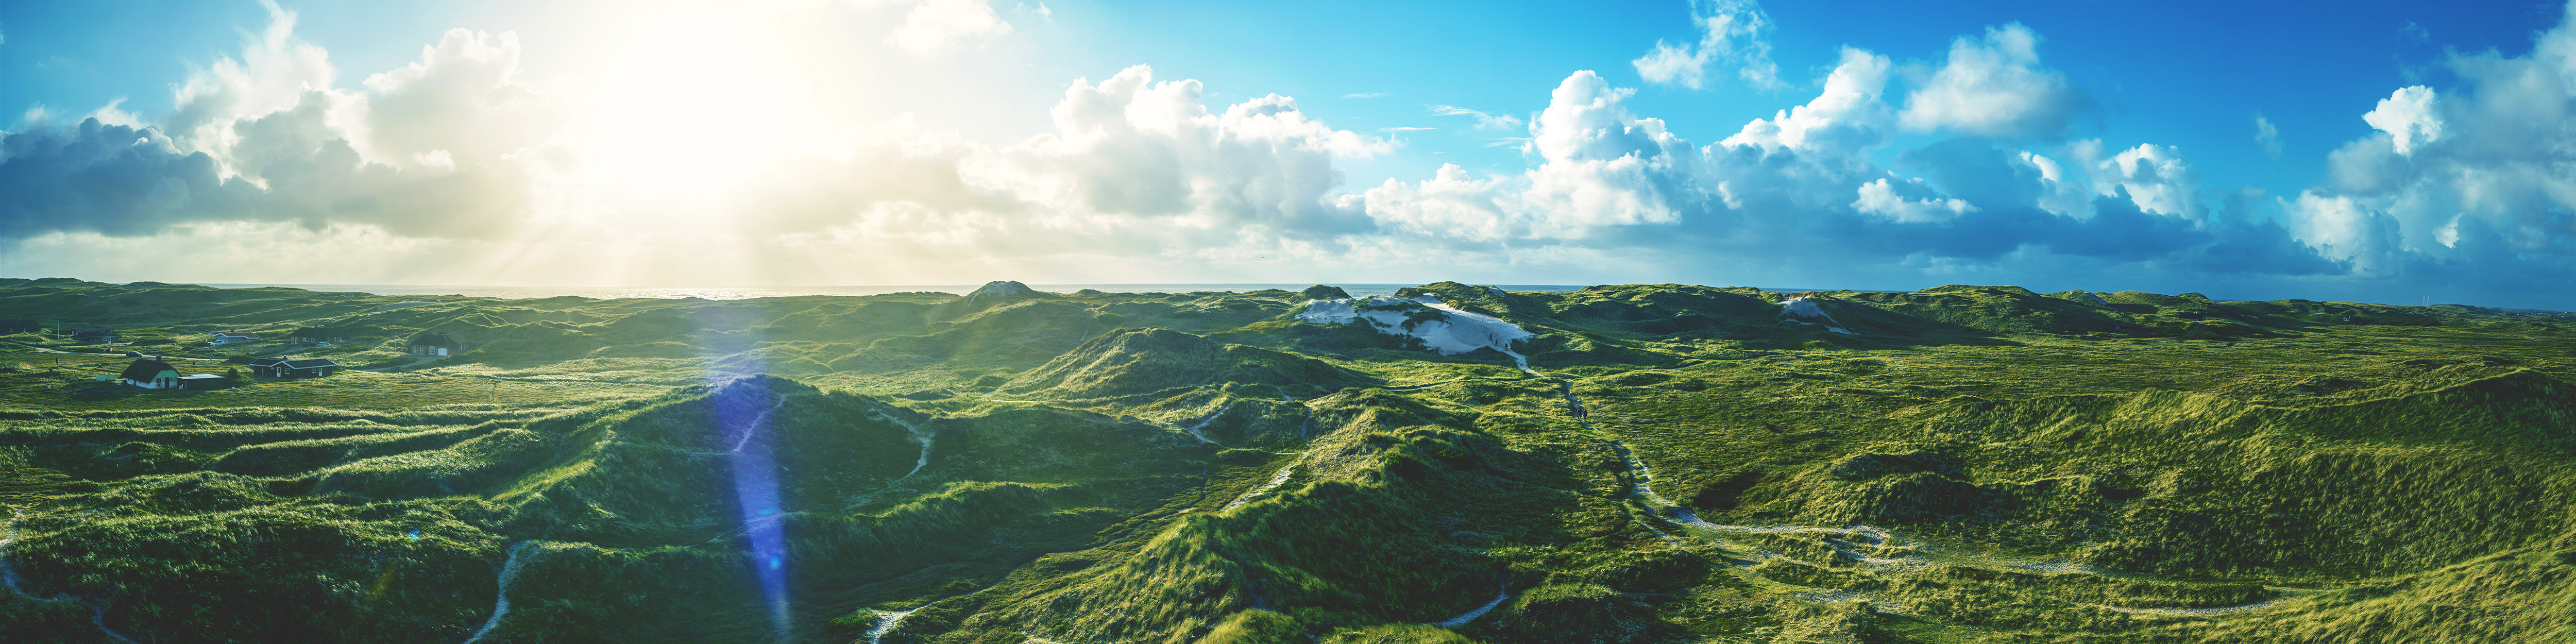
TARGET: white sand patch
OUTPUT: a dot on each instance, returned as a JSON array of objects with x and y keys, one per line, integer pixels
[
  {"x": 1276, "y": 479},
  {"x": 1805, "y": 311},
  {"x": 1453, "y": 332},
  {"x": 2192, "y": 612}
]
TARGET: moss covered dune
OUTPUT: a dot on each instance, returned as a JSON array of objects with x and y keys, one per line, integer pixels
[{"x": 1680, "y": 464}]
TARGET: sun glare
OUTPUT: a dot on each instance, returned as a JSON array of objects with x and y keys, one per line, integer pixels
[{"x": 684, "y": 100}]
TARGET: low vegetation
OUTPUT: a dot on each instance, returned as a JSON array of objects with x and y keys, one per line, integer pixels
[{"x": 1680, "y": 464}]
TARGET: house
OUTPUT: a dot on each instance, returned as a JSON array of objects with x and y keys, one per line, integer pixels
[
  {"x": 436, "y": 344},
  {"x": 228, "y": 337},
  {"x": 321, "y": 334},
  {"x": 295, "y": 368},
  {"x": 94, "y": 336},
  {"x": 8, "y": 327},
  {"x": 150, "y": 374}
]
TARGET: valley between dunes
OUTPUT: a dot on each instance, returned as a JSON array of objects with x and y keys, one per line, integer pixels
[{"x": 1453, "y": 463}]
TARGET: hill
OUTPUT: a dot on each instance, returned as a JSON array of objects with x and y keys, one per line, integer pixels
[{"x": 1456, "y": 463}]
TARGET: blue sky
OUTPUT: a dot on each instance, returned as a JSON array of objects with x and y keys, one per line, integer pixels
[{"x": 2097, "y": 145}]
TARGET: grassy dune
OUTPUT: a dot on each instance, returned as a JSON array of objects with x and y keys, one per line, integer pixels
[{"x": 1691, "y": 464}]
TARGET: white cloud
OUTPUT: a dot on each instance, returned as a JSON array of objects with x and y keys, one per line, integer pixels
[
  {"x": 2472, "y": 176},
  {"x": 1879, "y": 198},
  {"x": 274, "y": 73},
  {"x": 109, "y": 114},
  {"x": 2156, "y": 178},
  {"x": 1994, "y": 86},
  {"x": 1847, "y": 116},
  {"x": 2267, "y": 137},
  {"x": 461, "y": 98},
  {"x": 1484, "y": 121},
  {"x": 1731, "y": 32},
  {"x": 266, "y": 137},
  {"x": 936, "y": 26},
  {"x": 456, "y": 160},
  {"x": 1133, "y": 167},
  {"x": 1601, "y": 167},
  {"x": 2408, "y": 116}
]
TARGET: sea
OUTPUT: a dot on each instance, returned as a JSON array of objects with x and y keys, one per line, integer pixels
[{"x": 744, "y": 293}]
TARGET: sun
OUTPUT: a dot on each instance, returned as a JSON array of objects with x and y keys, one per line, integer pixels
[{"x": 684, "y": 101}]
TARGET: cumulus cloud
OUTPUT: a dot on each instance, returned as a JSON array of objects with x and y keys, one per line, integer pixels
[
  {"x": 2460, "y": 187},
  {"x": 1137, "y": 176},
  {"x": 1732, "y": 32},
  {"x": 1848, "y": 115},
  {"x": 273, "y": 73},
  {"x": 2157, "y": 180},
  {"x": 1134, "y": 168},
  {"x": 1134, "y": 146},
  {"x": 1799, "y": 193},
  {"x": 460, "y": 100},
  {"x": 2408, "y": 117},
  {"x": 1995, "y": 86},
  {"x": 265, "y": 137},
  {"x": 1879, "y": 198},
  {"x": 935, "y": 26},
  {"x": 1601, "y": 166}
]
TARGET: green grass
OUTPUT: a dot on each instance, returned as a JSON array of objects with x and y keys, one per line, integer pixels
[{"x": 2069, "y": 467}]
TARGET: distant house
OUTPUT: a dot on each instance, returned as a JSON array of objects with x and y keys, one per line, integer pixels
[
  {"x": 296, "y": 368},
  {"x": 94, "y": 336},
  {"x": 321, "y": 334},
  {"x": 436, "y": 344},
  {"x": 228, "y": 337},
  {"x": 150, "y": 374},
  {"x": 8, "y": 327}
]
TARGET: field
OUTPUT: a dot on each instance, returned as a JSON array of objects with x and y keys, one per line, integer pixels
[{"x": 1653, "y": 463}]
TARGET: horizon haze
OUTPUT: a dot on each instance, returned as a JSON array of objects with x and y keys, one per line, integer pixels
[{"x": 2380, "y": 153}]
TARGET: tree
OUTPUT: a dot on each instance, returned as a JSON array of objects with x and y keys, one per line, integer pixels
[{"x": 233, "y": 373}]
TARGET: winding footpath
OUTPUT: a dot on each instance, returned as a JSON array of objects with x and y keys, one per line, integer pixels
[
  {"x": 925, "y": 438},
  {"x": 1276, "y": 479},
  {"x": 1501, "y": 594},
  {"x": 887, "y": 621},
  {"x": 9, "y": 577},
  {"x": 1904, "y": 555},
  {"x": 501, "y": 605}
]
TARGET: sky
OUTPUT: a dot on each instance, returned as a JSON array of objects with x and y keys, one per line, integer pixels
[{"x": 2384, "y": 152}]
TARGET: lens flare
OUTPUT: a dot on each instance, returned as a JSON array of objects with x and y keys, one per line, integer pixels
[{"x": 742, "y": 413}]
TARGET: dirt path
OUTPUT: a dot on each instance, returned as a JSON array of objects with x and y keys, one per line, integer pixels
[
  {"x": 9, "y": 576},
  {"x": 1501, "y": 594},
  {"x": 501, "y": 604}
]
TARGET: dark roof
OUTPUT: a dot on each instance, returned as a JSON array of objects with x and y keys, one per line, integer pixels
[
  {"x": 145, "y": 369},
  {"x": 308, "y": 363},
  {"x": 263, "y": 362},
  {"x": 428, "y": 339}
]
